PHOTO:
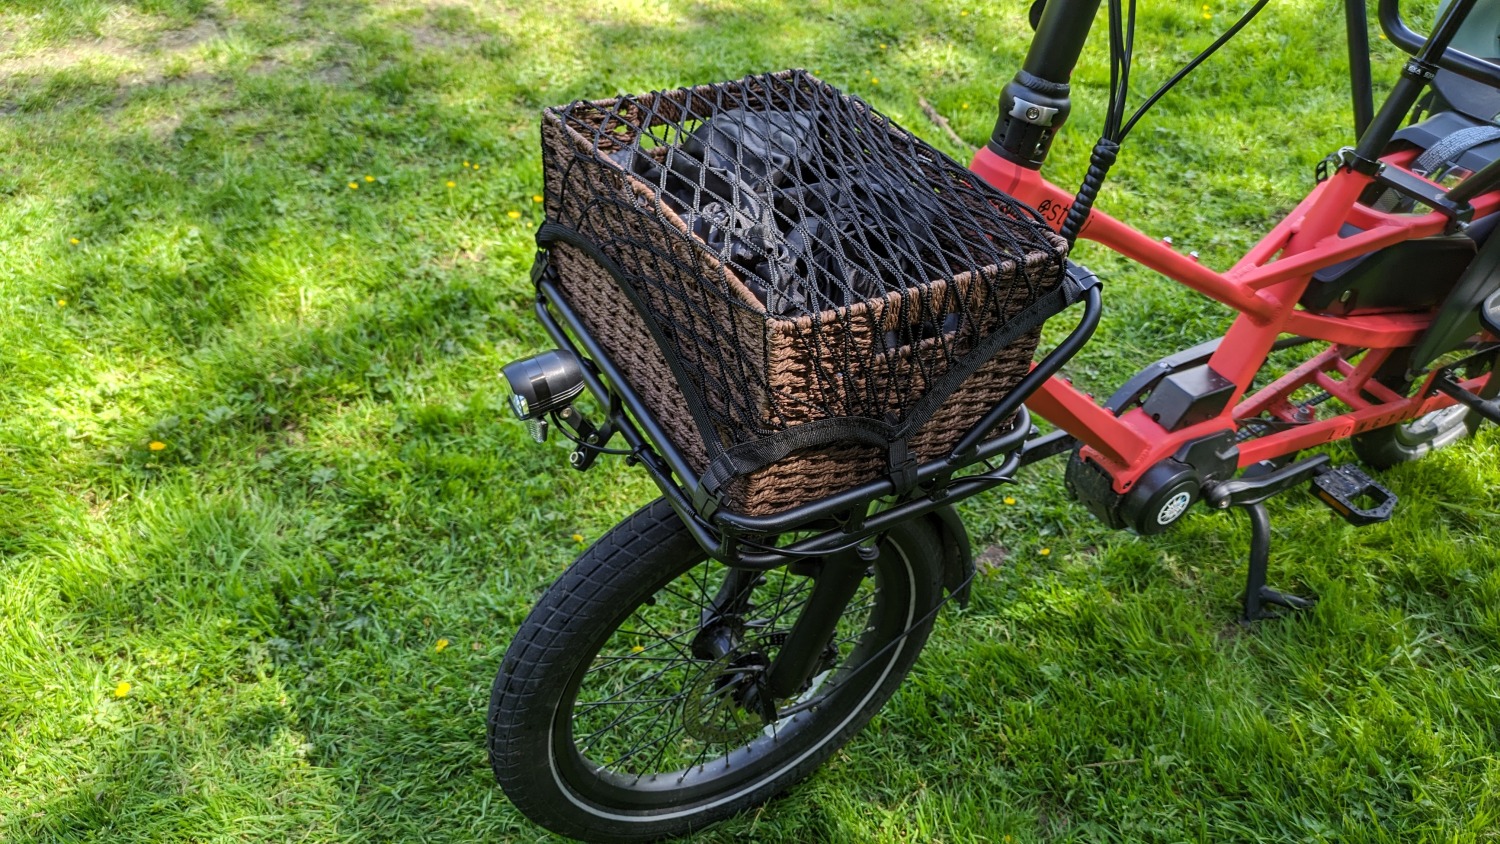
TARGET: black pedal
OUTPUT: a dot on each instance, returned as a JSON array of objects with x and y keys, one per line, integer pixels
[{"x": 1353, "y": 495}]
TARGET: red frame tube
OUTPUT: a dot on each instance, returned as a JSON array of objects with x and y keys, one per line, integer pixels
[{"x": 1264, "y": 288}]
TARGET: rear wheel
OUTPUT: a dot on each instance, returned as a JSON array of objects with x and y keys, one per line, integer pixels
[
  {"x": 1385, "y": 447},
  {"x": 630, "y": 705}
]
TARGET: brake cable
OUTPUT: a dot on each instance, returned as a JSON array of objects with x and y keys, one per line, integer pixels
[{"x": 1116, "y": 128}]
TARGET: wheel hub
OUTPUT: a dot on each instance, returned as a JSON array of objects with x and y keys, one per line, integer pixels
[{"x": 713, "y": 708}]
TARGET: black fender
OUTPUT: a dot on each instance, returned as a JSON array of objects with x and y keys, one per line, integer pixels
[{"x": 958, "y": 554}]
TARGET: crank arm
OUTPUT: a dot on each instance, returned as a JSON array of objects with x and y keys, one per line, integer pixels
[{"x": 1246, "y": 491}]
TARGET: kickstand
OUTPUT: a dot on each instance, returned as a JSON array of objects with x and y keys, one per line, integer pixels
[
  {"x": 1257, "y": 593},
  {"x": 1249, "y": 493}
]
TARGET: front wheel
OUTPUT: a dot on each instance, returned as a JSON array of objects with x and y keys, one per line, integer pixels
[{"x": 629, "y": 705}]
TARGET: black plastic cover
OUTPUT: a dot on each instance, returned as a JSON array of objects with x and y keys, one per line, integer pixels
[
  {"x": 1410, "y": 276},
  {"x": 1188, "y": 397}
]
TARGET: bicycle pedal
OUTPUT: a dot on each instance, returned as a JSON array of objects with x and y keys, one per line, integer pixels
[{"x": 1354, "y": 495}]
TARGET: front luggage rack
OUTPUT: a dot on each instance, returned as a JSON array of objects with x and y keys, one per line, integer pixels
[{"x": 837, "y": 521}]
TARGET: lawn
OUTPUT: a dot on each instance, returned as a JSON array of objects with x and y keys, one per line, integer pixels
[{"x": 266, "y": 530}]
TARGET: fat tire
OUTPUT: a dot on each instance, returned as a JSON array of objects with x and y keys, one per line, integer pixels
[
  {"x": 1404, "y": 442},
  {"x": 535, "y": 687},
  {"x": 1393, "y": 445}
]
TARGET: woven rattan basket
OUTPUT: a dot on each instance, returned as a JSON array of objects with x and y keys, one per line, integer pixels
[{"x": 744, "y": 363}]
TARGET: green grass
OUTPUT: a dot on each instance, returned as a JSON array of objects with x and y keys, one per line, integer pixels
[{"x": 185, "y": 262}]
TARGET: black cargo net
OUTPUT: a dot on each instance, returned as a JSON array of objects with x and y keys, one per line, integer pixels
[{"x": 802, "y": 257}]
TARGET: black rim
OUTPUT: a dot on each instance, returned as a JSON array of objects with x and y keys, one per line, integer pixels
[{"x": 665, "y": 714}]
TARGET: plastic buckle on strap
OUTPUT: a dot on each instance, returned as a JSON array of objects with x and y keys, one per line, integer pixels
[
  {"x": 1346, "y": 159},
  {"x": 903, "y": 467},
  {"x": 539, "y": 266},
  {"x": 704, "y": 495}
]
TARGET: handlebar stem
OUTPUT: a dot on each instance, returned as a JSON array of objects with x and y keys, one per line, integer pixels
[{"x": 1035, "y": 104}]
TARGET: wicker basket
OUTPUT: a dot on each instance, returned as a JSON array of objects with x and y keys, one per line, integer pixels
[{"x": 754, "y": 374}]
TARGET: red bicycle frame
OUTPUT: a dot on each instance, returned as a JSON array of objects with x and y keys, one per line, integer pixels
[{"x": 1264, "y": 287}]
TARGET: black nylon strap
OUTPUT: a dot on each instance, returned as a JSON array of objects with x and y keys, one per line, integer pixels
[
  {"x": 1049, "y": 304},
  {"x": 552, "y": 232},
  {"x": 749, "y": 457},
  {"x": 726, "y": 464}
]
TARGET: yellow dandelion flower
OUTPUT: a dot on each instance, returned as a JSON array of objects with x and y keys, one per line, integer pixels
[
  {"x": 1045, "y": 551},
  {"x": 466, "y": 164},
  {"x": 452, "y": 184},
  {"x": 123, "y": 689},
  {"x": 874, "y": 81},
  {"x": 62, "y": 303},
  {"x": 536, "y": 198},
  {"x": 476, "y": 168},
  {"x": 369, "y": 178},
  {"x": 1009, "y": 500},
  {"x": 156, "y": 445},
  {"x": 636, "y": 649},
  {"x": 882, "y": 46},
  {"x": 514, "y": 215},
  {"x": 577, "y": 537},
  {"x": 73, "y": 240},
  {"x": 1207, "y": 15},
  {"x": 966, "y": 105},
  {"x": 964, "y": 13},
  {"x": 441, "y": 643},
  {"x": 354, "y": 186}
]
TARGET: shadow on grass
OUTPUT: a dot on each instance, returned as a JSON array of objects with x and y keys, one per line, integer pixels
[{"x": 337, "y": 494}]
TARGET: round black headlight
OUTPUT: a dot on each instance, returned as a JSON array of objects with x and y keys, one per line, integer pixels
[{"x": 543, "y": 383}]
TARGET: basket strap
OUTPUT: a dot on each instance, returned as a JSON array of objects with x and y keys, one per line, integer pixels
[
  {"x": 749, "y": 457},
  {"x": 552, "y": 232},
  {"x": 727, "y": 464},
  {"x": 1067, "y": 292}
]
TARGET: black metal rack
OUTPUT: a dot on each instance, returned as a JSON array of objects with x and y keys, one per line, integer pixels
[{"x": 836, "y": 522}]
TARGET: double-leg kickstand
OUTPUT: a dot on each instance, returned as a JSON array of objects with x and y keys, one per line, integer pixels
[{"x": 1257, "y": 593}]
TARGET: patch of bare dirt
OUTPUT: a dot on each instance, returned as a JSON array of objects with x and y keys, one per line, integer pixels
[
  {"x": 991, "y": 559},
  {"x": 179, "y": 40}
]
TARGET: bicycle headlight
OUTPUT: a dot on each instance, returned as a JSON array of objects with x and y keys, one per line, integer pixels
[{"x": 541, "y": 384}]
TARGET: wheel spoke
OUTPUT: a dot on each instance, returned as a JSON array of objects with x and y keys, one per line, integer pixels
[
  {"x": 641, "y": 681},
  {"x": 649, "y": 708},
  {"x": 684, "y": 654},
  {"x": 661, "y": 713},
  {"x": 643, "y": 717}
]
